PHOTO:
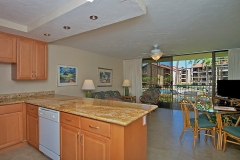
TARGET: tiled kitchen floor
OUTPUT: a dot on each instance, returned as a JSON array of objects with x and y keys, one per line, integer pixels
[{"x": 164, "y": 129}]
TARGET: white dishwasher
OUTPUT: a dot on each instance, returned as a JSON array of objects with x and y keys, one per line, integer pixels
[{"x": 49, "y": 132}]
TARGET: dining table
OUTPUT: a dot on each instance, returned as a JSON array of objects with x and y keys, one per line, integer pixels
[{"x": 219, "y": 112}]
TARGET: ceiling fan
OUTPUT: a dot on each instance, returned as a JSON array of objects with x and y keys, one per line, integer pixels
[{"x": 155, "y": 54}]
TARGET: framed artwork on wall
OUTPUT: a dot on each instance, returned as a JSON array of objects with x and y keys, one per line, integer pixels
[
  {"x": 67, "y": 75},
  {"x": 104, "y": 77}
]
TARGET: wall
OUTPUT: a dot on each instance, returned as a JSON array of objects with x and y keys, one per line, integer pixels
[{"x": 86, "y": 62}]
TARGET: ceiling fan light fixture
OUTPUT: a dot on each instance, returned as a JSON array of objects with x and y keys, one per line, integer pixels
[
  {"x": 156, "y": 53},
  {"x": 156, "y": 56}
]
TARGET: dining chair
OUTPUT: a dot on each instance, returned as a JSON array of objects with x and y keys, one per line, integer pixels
[
  {"x": 204, "y": 102},
  {"x": 233, "y": 132},
  {"x": 192, "y": 122}
]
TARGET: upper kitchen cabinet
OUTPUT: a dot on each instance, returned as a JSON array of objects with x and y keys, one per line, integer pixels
[
  {"x": 31, "y": 60},
  {"x": 8, "y": 48}
]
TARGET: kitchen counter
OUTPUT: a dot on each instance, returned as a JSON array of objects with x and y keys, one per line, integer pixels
[{"x": 121, "y": 113}]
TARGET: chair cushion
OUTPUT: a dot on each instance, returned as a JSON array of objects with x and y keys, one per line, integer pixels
[
  {"x": 150, "y": 95},
  {"x": 235, "y": 131},
  {"x": 204, "y": 116},
  {"x": 203, "y": 123}
]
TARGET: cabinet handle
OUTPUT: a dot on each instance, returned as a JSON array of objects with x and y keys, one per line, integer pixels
[
  {"x": 37, "y": 122},
  {"x": 81, "y": 135},
  {"x": 77, "y": 138},
  {"x": 93, "y": 126},
  {"x": 69, "y": 120}
]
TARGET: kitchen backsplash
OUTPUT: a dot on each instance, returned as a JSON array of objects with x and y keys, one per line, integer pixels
[{"x": 26, "y": 94}]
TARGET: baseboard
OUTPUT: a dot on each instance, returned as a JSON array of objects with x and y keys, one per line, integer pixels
[{"x": 13, "y": 147}]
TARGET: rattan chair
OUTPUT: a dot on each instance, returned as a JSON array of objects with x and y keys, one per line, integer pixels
[
  {"x": 192, "y": 123},
  {"x": 150, "y": 96},
  {"x": 233, "y": 132},
  {"x": 203, "y": 103}
]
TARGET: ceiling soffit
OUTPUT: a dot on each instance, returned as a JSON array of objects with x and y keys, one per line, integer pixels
[{"x": 73, "y": 13}]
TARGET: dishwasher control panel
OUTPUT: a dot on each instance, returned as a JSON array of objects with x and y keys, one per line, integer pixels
[{"x": 49, "y": 114}]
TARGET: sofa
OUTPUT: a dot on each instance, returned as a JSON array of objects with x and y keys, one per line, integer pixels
[{"x": 110, "y": 95}]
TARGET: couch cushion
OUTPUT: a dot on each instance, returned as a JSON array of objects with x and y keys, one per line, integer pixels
[
  {"x": 98, "y": 95},
  {"x": 117, "y": 94}
]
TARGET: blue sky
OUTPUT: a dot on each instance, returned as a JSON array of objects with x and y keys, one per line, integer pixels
[{"x": 180, "y": 64}]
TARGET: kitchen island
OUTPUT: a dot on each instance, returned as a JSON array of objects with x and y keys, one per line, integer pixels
[{"x": 97, "y": 129}]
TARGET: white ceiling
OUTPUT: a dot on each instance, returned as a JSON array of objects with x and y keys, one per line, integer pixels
[{"x": 127, "y": 28}]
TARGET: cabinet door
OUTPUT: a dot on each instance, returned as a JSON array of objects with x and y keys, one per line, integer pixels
[
  {"x": 70, "y": 143},
  {"x": 39, "y": 60},
  {"x": 8, "y": 50},
  {"x": 94, "y": 147},
  {"x": 32, "y": 130},
  {"x": 24, "y": 58},
  {"x": 11, "y": 129}
]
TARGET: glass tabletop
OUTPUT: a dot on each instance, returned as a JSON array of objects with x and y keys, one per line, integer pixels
[{"x": 219, "y": 109}]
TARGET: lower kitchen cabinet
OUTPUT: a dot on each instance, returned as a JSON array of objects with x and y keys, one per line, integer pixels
[
  {"x": 32, "y": 125},
  {"x": 11, "y": 125},
  {"x": 94, "y": 147},
  {"x": 32, "y": 130},
  {"x": 69, "y": 142}
]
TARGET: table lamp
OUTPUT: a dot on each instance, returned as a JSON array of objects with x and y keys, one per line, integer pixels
[
  {"x": 88, "y": 85},
  {"x": 126, "y": 84}
]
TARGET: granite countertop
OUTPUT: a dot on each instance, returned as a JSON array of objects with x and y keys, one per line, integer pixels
[{"x": 122, "y": 113}]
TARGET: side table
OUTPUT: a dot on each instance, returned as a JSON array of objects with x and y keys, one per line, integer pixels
[{"x": 131, "y": 98}]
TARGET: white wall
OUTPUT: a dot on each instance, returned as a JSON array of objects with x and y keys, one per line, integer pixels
[{"x": 86, "y": 62}]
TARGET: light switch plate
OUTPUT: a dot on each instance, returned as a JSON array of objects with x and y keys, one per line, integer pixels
[{"x": 144, "y": 120}]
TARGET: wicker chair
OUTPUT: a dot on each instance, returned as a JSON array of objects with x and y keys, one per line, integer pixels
[
  {"x": 233, "y": 132},
  {"x": 204, "y": 102},
  {"x": 150, "y": 96},
  {"x": 195, "y": 124}
]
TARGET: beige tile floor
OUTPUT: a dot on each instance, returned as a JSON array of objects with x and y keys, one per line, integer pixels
[{"x": 164, "y": 128}]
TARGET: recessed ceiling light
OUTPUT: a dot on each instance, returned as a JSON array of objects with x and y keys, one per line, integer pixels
[
  {"x": 46, "y": 34},
  {"x": 93, "y": 17},
  {"x": 66, "y": 27}
]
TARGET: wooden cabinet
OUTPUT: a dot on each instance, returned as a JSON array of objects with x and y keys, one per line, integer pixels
[
  {"x": 94, "y": 146},
  {"x": 70, "y": 142},
  {"x": 8, "y": 48},
  {"x": 32, "y": 125},
  {"x": 87, "y": 139},
  {"x": 11, "y": 125},
  {"x": 76, "y": 143},
  {"x": 31, "y": 60}
]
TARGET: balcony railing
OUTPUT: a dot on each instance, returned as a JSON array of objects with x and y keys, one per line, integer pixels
[{"x": 175, "y": 93}]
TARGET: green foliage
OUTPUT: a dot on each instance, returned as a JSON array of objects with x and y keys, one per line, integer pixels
[
  {"x": 146, "y": 79},
  {"x": 168, "y": 79}
]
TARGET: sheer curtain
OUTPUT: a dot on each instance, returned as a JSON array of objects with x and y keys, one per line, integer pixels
[
  {"x": 132, "y": 70},
  {"x": 234, "y": 64}
]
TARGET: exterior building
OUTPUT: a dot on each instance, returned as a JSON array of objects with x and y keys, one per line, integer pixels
[
  {"x": 203, "y": 75},
  {"x": 161, "y": 74}
]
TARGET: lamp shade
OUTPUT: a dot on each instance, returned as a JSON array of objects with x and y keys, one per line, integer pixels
[
  {"x": 88, "y": 85},
  {"x": 126, "y": 83}
]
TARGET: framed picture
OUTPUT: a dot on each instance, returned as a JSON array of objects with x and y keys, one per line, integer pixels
[
  {"x": 67, "y": 75},
  {"x": 105, "y": 77}
]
